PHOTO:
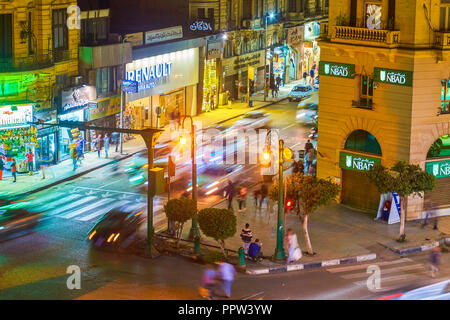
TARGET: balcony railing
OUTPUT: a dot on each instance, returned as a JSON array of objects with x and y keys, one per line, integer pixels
[
  {"x": 34, "y": 62},
  {"x": 363, "y": 103},
  {"x": 364, "y": 36},
  {"x": 442, "y": 40},
  {"x": 324, "y": 30}
]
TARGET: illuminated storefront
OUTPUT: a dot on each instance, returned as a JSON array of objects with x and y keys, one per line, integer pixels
[
  {"x": 211, "y": 73},
  {"x": 167, "y": 87}
]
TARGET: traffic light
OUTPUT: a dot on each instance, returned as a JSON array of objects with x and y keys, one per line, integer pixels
[
  {"x": 171, "y": 167},
  {"x": 289, "y": 204}
]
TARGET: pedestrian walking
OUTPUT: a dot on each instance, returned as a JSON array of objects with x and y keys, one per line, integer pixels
[
  {"x": 229, "y": 194},
  {"x": 242, "y": 197},
  {"x": 227, "y": 273},
  {"x": 74, "y": 156},
  {"x": 115, "y": 139},
  {"x": 264, "y": 192},
  {"x": 246, "y": 236},
  {"x": 98, "y": 144},
  {"x": 256, "y": 194},
  {"x": 14, "y": 169},
  {"x": 308, "y": 146},
  {"x": 294, "y": 252},
  {"x": 30, "y": 158},
  {"x": 305, "y": 75},
  {"x": 106, "y": 144},
  {"x": 208, "y": 282},
  {"x": 2, "y": 166},
  {"x": 80, "y": 149},
  {"x": 44, "y": 162},
  {"x": 278, "y": 81},
  {"x": 435, "y": 258}
]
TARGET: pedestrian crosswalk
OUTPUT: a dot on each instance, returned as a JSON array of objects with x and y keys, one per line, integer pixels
[
  {"x": 392, "y": 274},
  {"x": 87, "y": 206}
]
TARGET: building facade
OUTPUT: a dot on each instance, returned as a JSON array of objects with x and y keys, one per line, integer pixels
[
  {"x": 38, "y": 58},
  {"x": 384, "y": 79}
]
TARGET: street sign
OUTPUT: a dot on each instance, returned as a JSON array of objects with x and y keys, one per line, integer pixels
[
  {"x": 287, "y": 153},
  {"x": 130, "y": 86}
]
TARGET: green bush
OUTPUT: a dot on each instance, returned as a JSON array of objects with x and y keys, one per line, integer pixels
[{"x": 180, "y": 210}]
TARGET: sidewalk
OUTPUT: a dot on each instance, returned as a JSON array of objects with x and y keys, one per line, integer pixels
[
  {"x": 64, "y": 170},
  {"x": 337, "y": 233}
]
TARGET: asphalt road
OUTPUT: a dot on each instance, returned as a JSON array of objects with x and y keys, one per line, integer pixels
[{"x": 34, "y": 265}]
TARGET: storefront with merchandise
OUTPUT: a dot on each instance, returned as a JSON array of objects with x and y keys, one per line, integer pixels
[
  {"x": 167, "y": 88},
  {"x": 310, "y": 56},
  {"x": 211, "y": 80},
  {"x": 295, "y": 42},
  {"x": 16, "y": 136}
]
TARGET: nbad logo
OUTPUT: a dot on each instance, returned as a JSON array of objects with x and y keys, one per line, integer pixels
[
  {"x": 395, "y": 77},
  {"x": 339, "y": 71}
]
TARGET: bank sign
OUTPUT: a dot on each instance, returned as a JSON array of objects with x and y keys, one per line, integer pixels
[
  {"x": 334, "y": 69},
  {"x": 356, "y": 162},
  {"x": 398, "y": 77},
  {"x": 439, "y": 169}
]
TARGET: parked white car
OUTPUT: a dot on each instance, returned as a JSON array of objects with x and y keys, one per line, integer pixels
[{"x": 300, "y": 92}]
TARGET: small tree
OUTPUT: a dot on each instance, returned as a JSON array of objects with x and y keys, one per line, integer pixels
[
  {"x": 309, "y": 193},
  {"x": 406, "y": 180},
  {"x": 180, "y": 210},
  {"x": 219, "y": 224}
]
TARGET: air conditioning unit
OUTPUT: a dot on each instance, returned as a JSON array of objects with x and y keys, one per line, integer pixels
[{"x": 77, "y": 80}]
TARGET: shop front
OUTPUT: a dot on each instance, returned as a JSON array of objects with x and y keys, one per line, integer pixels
[
  {"x": 167, "y": 88},
  {"x": 235, "y": 71},
  {"x": 211, "y": 81},
  {"x": 437, "y": 201},
  {"x": 361, "y": 153},
  {"x": 16, "y": 136},
  {"x": 310, "y": 55},
  {"x": 295, "y": 42}
]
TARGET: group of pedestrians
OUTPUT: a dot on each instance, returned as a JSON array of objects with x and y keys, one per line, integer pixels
[
  {"x": 310, "y": 159},
  {"x": 221, "y": 273},
  {"x": 259, "y": 196}
]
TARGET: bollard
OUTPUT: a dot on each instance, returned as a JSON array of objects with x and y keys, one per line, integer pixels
[{"x": 241, "y": 257}]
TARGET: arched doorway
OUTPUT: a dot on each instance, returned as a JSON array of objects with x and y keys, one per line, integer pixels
[
  {"x": 361, "y": 152},
  {"x": 438, "y": 164}
]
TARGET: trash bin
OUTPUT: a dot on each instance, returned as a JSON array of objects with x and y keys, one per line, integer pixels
[{"x": 250, "y": 103}]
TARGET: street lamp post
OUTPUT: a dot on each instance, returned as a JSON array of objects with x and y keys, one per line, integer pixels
[
  {"x": 194, "y": 232},
  {"x": 122, "y": 95},
  {"x": 279, "y": 250},
  {"x": 270, "y": 15}
]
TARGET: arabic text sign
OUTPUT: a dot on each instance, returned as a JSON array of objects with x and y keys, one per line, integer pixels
[
  {"x": 334, "y": 69},
  {"x": 399, "y": 77},
  {"x": 356, "y": 162},
  {"x": 163, "y": 34},
  {"x": 439, "y": 169}
]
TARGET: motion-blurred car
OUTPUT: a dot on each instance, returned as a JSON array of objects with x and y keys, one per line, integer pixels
[
  {"x": 306, "y": 116},
  {"x": 251, "y": 120},
  {"x": 316, "y": 83},
  {"x": 138, "y": 162},
  {"x": 308, "y": 105},
  {"x": 436, "y": 291},
  {"x": 13, "y": 221},
  {"x": 300, "y": 92},
  {"x": 115, "y": 227}
]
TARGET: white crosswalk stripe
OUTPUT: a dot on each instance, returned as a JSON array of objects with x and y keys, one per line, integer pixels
[
  {"x": 70, "y": 206},
  {"x": 394, "y": 273},
  {"x": 102, "y": 211},
  {"x": 50, "y": 205},
  {"x": 92, "y": 206}
]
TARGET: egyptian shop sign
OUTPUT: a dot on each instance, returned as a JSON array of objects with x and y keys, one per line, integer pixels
[
  {"x": 398, "y": 77},
  {"x": 439, "y": 169},
  {"x": 356, "y": 162},
  {"x": 334, "y": 69}
]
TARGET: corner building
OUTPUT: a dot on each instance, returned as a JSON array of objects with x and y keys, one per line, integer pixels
[{"x": 384, "y": 97}]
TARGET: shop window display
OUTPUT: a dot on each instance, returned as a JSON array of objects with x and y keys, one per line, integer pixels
[{"x": 15, "y": 143}]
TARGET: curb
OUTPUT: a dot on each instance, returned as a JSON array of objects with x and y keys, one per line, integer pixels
[
  {"x": 311, "y": 265},
  {"x": 417, "y": 249},
  {"x": 75, "y": 176}
]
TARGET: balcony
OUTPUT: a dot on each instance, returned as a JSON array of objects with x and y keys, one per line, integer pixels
[
  {"x": 100, "y": 56},
  {"x": 363, "y": 103},
  {"x": 442, "y": 40},
  {"x": 34, "y": 62},
  {"x": 324, "y": 30},
  {"x": 366, "y": 37},
  {"x": 252, "y": 23}
]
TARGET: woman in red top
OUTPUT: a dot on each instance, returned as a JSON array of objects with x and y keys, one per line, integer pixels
[{"x": 14, "y": 169}]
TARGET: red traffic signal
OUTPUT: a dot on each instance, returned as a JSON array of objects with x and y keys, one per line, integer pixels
[{"x": 289, "y": 204}]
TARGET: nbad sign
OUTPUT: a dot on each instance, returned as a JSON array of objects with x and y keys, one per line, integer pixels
[
  {"x": 334, "y": 69},
  {"x": 398, "y": 77},
  {"x": 357, "y": 162},
  {"x": 439, "y": 169}
]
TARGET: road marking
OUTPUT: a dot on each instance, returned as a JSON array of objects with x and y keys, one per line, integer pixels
[
  {"x": 52, "y": 205},
  {"x": 85, "y": 209},
  {"x": 390, "y": 279},
  {"x": 70, "y": 206},
  {"x": 253, "y": 295},
  {"x": 363, "y": 266},
  {"x": 102, "y": 211},
  {"x": 289, "y": 126},
  {"x": 102, "y": 190},
  {"x": 385, "y": 271}
]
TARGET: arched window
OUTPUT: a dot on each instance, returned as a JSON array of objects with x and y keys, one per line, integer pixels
[
  {"x": 440, "y": 148},
  {"x": 363, "y": 141}
]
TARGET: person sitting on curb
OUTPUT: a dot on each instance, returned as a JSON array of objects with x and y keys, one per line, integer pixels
[{"x": 254, "y": 251}]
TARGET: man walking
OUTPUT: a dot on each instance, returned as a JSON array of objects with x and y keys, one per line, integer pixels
[
  {"x": 98, "y": 143},
  {"x": 435, "y": 257},
  {"x": 229, "y": 194},
  {"x": 242, "y": 196},
  {"x": 74, "y": 156},
  {"x": 264, "y": 193},
  {"x": 227, "y": 273},
  {"x": 14, "y": 169},
  {"x": 308, "y": 146},
  {"x": 1, "y": 167},
  {"x": 106, "y": 143},
  {"x": 115, "y": 139},
  {"x": 246, "y": 236},
  {"x": 30, "y": 157}
]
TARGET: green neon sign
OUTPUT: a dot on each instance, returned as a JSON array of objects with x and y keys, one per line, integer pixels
[
  {"x": 357, "y": 162},
  {"x": 397, "y": 77},
  {"x": 439, "y": 169},
  {"x": 333, "y": 69}
]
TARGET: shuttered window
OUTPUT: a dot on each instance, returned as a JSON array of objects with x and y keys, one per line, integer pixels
[
  {"x": 5, "y": 36},
  {"x": 59, "y": 27}
]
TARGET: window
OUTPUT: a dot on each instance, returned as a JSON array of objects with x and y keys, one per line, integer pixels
[
  {"x": 93, "y": 30},
  {"x": 247, "y": 12},
  {"x": 106, "y": 80},
  {"x": 275, "y": 6},
  {"x": 256, "y": 11},
  {"x": 363, "y": 141},
  {"x": 445, "y": 96},
  {"x": 261, "y": 42},
  {"x": 210, "y": 13},
  {"x": 261, "y": 8},
  {"x": 5, "y": 36},
  {"x": 444, "y": 21},
  {"x": 59, "y": 27},
  {"x": 30, "y": 32},
  {"x": 373, "y": 16},
  {"x": 366, "y": 96},
  {"x": 201, "y": 13},
  {"x": 292, "y": 6}
]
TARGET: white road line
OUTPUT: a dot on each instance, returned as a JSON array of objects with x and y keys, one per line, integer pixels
[
  {"x": 85, "y": 209},
  {"x": 102, "y": 190},
  {"x": 51, "y": 205},
  {"x": 102, "y": 211},
  {"x": 50, "y": 197},
  {"x": 385, "y": 271},
  {"x": 391, "y": 279},
  {"x": 70, "y": 206},
  {"x": 363, "y": 266},
  {"x": 291, "y": 125}
]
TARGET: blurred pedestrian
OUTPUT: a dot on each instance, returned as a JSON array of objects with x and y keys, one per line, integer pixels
[
  {"x": 305, "y": 75},
  {"x": 241, "y": 199},
  {"x": 246, "y": 236},
  {"x": 227, "y": 273},
  {"x": 278, "y": 81},
  {"x": 74, "y": 156},
  {"x": 106, "y": 144},
  {"x": 30, "y": 158},
  {"x": 229, "y": 194},
  {"x": 435, "y": 258},
  {"x": 14, "y": 169},
  {"x": 308, "y": 146},
  {"x": 256, "y": 193},
  {"x": 98, "y": 144},
  {"x": 2, "y": 166},
  {"x": 115, "y": 139},
  {"x": 254, "y": 251},
  {"x": 264, "y": 192},
  {"x": 208, "y": 282},
  {"x": 294, "y": 252}
]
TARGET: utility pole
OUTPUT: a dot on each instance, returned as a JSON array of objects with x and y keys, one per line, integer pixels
[
  {"x": 122, "y": 95},
  {"x": 279, "y": 250},
  {"x": 265, "y": 60}
]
